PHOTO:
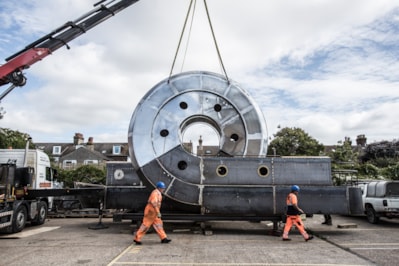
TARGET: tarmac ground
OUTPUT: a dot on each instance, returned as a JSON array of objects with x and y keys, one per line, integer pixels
[{"x": 69, "y": 241}]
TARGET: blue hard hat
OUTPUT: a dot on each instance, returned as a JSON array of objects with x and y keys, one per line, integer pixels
[
  {"x": 295, "y": 188},
  {"x": 161, "y": 184}
]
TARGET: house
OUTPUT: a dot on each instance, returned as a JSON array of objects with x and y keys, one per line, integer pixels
[
  {"x": 78, "y": 153},
  {"x": 203, "y": 150}
]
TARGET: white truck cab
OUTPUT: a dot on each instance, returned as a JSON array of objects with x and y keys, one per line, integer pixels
[
  {"x": 37, "y": 159},
  {"x": 380, "y": 199},
  {"x": 43, "y": 175},
  {"x": 23, "y": 171}
]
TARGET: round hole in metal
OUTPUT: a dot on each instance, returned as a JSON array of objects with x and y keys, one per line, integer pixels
[
  {"x": 234, "y": 137},
  {"x": 263, "y": 171},
  {"x": 217, "y": 107},
  {"x": 182, "y": 165},
  {"x": 198, "y": 133},
  {"x": 183, "y": 105},
  {"x": 221, "y": 170},
  {"x": 164, "y": 133}
]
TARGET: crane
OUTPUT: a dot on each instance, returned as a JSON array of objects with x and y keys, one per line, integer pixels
[{"x": 12, "y": 71}]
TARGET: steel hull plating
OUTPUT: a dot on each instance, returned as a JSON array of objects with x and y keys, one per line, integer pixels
[{"x": 265, "y": 201}]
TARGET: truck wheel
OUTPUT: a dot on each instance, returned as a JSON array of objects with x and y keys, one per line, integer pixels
[
  {"x": 41, "y": 213},
  {"x": 371, "y": 215},
  {"x": 19, "y": 219}
]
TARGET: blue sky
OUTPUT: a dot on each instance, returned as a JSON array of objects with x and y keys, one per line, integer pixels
[{"x": 329, "y": 67}]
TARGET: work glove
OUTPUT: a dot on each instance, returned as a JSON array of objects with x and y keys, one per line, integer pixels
[{"x": 159, "y": 215}]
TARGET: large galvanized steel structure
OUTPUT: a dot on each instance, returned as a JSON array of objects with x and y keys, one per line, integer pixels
[{"x": 240, "y": 180}]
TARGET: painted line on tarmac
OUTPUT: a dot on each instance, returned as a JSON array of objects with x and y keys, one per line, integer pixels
[
  {"x": 229, "y": 264},
  {"x": 365, "y": 229},
  {"x": 386, "y": 248},
  {"x": 29, "y": 232},
  {"x": 371, "y": 244},
  {"x": 115, "y": 261},
  {"x": 135, "y": 250}
]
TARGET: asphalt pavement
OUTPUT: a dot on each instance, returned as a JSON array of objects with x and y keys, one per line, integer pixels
[{"x": 69, "y": 241}]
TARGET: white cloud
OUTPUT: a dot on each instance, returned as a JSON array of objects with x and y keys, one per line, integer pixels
[{"x": 329, "y": 67}]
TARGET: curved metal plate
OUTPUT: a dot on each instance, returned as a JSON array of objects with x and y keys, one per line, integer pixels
[
  {"x": 172, "y": 105},
  {"x": 188, "y": 97}
]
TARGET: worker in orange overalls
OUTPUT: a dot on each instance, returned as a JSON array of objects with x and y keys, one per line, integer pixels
[
  {"x": 152, "y": 216},
  {"x": 293, "y": 215}
]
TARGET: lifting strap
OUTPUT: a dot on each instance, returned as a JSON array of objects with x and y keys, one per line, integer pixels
[{"x": 191, "y": 7}]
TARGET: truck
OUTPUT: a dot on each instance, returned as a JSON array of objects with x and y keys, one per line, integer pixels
[
  {"x": 380, "y": 199},
  {"x": 29, "y": 189},
  {"x": 21, "y": 171}
]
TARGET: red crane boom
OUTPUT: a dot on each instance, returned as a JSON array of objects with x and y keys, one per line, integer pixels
[{"x": 11, "y": 72}]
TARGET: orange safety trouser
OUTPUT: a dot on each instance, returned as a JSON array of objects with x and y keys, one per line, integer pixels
[
  {"x": 297, "y": 221},
  {"x": 150, "y": 218}
]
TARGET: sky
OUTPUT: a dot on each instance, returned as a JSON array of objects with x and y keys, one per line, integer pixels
[{"x": 329, "y": 67}]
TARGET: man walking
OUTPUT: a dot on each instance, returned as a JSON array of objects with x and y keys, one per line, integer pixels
[
  {"x": 152, "y": 216},
  {"x": 293, "y": 215}
]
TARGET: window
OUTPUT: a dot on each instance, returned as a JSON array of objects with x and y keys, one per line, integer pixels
[
  {"x": 69, "y": 164},
  {"x": 56, "y": 149},
  {"x": 49, "y": 174},
  {"x": 116, "y": 149},
  {"x": 86, "y": 162}
]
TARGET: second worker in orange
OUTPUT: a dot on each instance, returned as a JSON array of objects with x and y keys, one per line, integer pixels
[{"x": 293, "y": 215}]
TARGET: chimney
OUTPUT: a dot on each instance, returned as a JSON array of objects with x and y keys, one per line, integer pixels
[
  {"x": 200, "y": 150},
  {"x": 78, "y": 139},
  {"x": 90, "y": 144},
  {"x": 361, "y": 140}
]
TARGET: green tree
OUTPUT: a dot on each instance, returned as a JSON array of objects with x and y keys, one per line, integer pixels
[
  {"x": 391, "y": 172},
  {"x": 383, "y": 154},
  {"x": 294, "y": 141},
  {"x": 383, "y": 162},
  {"x": 368, "y": 170},
  {"x": 86, "y": 174},
  {"x": 344, "y": 162},
  {"x": 13, "y": 139},
  {"x": 344, "y": 154}
]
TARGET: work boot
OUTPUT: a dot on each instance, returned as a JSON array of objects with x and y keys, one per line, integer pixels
[
  {"x": 286, "y": 239},
  {"x": 327, "y": 219},
  {"x": 327, "y": 223},
  {"x": 137, "y": 242},
  {"x": 165, "y": 240},
  {"x": 309, "y": 238}
]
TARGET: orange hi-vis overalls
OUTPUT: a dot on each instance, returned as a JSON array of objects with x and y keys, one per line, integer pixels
[
  {"x": 151, "y": 217},
  {"x": 293, "y": 218}
]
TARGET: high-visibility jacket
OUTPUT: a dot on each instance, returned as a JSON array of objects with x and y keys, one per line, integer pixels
[
  {"x": 155, "y": 200},
  {"x": 292, "y": 200}
]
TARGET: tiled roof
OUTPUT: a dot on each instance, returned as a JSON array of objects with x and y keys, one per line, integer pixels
[
  {"x": 101, "y": 150},
  {"x": 84, "y": 153}
]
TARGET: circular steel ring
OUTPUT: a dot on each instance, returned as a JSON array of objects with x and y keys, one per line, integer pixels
[{"x": 174, "y": 104}]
